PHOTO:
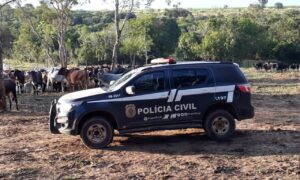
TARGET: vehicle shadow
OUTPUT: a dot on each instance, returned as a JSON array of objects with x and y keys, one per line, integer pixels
[{"x": 245, "y": 143}]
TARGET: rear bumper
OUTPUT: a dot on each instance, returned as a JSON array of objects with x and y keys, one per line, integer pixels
[
  {"x": 245, "y": 113},
  {"x": 58, "y": 125}
]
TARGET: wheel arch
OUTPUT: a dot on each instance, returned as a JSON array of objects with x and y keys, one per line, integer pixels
[
  {"x": 222, "y": 106},
  {"x": 108, "y": 116}
]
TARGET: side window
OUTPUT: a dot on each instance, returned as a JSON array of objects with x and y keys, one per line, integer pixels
[
  {"x": 149, "y": 83},
  {"x": 189, "y": 77},
  {"x": 202, "y": 76}
]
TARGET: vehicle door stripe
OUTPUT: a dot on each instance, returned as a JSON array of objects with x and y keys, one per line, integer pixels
[
  {"x": 161, "y": 95},
  {"x": 172, "y": 95},
  {"x": 230, "y": 96},
  {"x": 203, "y": 91}
]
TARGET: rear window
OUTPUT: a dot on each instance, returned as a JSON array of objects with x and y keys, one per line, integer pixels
[{"x": 229, "y": 75}]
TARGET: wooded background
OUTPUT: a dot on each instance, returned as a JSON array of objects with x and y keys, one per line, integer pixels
[{"x": 33, "y": 34}]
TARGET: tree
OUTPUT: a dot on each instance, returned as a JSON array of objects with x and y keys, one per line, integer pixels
[
  {"x": 5, "y": 2},
  {"x": 136, "y": 41},
  {"x": 4, "y": 39},
  {"x": 263, "y": 3},
  {"x": 177, "y": 12},
  {"x": 248, "y": 40},
  {"x": 215, "y": 46},
  {"x": 37, "y": 24},
  {"x": 27, "y": 47},
  {"x": 127, "y": 7},
  {"x": 188, "y": 46},
  {"x": 63, "y": 9},
  {"x": 288, "y": 52},
  {"x": 133, "y": 46},
  {"x": 141, "y": 28},
  {"x": 165, "y": 33},
  {"x": 73, "y": 44},
  {"x": 255, "y": 6},
  {"x": 278, "y": 5}
]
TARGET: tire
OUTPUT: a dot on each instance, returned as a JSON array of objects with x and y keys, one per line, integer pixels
[
  {"x": 219, "y": 125},
  {"x": 90, "y": 135}
]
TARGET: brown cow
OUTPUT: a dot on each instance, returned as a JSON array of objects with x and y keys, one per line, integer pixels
[{"x": 75, "y": 77}]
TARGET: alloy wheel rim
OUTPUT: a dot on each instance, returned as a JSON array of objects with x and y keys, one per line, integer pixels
[
  {"x": 220, "y": 125},
  {"x": 96, "y": 133}
]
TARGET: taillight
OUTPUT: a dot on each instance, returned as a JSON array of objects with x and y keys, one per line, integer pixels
[{"x": 244, "y": 88}]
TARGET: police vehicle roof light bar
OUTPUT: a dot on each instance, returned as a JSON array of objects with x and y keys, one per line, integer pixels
[{"x": 163, "y": 61}]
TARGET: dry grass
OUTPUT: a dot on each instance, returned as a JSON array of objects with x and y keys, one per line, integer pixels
[
  {"x": 273, "y": 83},
  {"x": 265, "y": 147}
]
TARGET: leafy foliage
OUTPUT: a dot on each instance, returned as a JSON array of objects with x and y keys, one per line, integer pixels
[{"x": 235, "y": 34}]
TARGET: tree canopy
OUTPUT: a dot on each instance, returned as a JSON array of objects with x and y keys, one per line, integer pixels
[{"x": 235, "y": 34}]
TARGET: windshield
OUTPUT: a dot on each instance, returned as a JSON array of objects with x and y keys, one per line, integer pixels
[{"x": 120, "y": 82}]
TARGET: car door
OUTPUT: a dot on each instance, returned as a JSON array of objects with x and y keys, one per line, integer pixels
[
  {"x": 148, "y": 104},
  {"x": 192, "y": 91}
]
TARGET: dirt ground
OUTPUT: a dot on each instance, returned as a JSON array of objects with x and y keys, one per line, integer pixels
[{"x": 265, "y": 147}]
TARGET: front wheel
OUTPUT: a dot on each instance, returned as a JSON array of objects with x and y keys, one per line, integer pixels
[
  {"x": 219, "y": 125},
  {"x": 97, "y": 133}
]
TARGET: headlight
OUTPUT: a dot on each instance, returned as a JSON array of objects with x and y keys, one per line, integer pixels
[{"x": 64, "y": 108}]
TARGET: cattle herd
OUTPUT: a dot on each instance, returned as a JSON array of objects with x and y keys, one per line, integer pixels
[
  {"x": 62, "y": 79},
  {"x": 279, "y": 67},
  {"x": 58, "y": 80}
]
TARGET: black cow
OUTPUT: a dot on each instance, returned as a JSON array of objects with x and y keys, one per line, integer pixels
[
  {"x": 93, "y": 74},
  {"x": 294, "y": 67},
  {"x": 259, "y": 66},
  {"x": 282, "y": 67},
  {"x": 20, "y": 77},
  {"x": 20, "y": 80},
  {"x": 37, "y": 81},
  {"x": 274, "y": 66},
  {"x": 10, "y": 90}
]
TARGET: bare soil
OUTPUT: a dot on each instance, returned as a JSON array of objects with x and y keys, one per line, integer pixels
[{"x": 267, "y": 146}]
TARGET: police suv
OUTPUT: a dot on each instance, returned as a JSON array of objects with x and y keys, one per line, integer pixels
[{"x": 167, "y": 95}]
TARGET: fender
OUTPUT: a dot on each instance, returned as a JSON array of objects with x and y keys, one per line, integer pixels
[{"x": 87, "y": 111}]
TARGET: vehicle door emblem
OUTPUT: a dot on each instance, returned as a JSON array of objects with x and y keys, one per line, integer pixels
[{"x": 130, "y": 110}]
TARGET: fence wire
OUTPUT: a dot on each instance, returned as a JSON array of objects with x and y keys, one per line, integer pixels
[{"x": 33, "y": 103}]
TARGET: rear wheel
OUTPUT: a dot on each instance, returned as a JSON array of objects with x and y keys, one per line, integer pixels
[
  {"x": 97, "y": 133},
  {"x": 219, "y": 125}
]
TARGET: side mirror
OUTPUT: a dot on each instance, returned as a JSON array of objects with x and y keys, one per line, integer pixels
[
  {"x": 111, "y": 82},
  {"x": 130, "y": 90}
]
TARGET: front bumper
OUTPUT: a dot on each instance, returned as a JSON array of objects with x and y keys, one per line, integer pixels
[
  {"x": 59, "y": 125},
  {"x": 53, "y": 118}
]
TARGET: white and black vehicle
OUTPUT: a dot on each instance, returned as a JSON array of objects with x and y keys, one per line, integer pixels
[{"x": 208, "y": 95}]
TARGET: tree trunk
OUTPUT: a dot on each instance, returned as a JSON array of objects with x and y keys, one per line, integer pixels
[
  {"x": 62, "y": 50},
  {"x": 118, "y": 33},
  {"x": 2, "y": 88},
  {"x": 61, "y": 41},
  {"x": 146, "y": 56},
  {"x": 133, "y": 61}
]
